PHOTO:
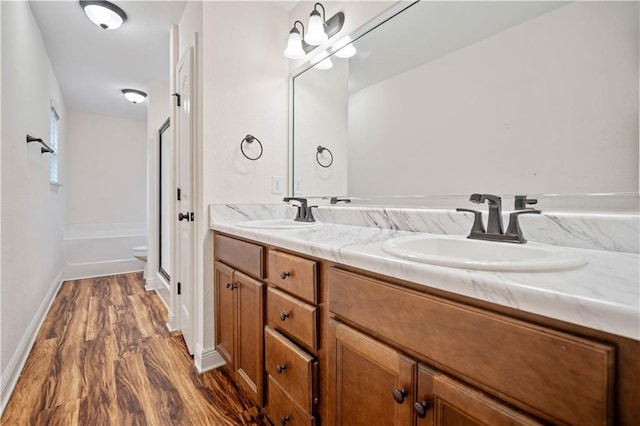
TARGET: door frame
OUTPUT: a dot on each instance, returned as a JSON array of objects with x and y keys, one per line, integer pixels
[{"x": 176, "y": 299}]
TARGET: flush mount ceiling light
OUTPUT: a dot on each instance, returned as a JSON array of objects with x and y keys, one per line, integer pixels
[
  {"x": 104, "y": 14},
  {"x": 134, "y": 96},
  {"x": 319, "y": 31}
]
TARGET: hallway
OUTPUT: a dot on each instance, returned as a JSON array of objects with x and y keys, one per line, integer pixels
[{"x": 103, "y": 356}]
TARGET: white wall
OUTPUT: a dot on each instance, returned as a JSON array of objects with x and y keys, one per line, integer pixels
[
  {"x": 106, "y": 173},
  {"x": 241, "y": 89},
  {"x": 32, "y": 213},
  {"x": 557, "y": 114},
  {"x": 321, "y": 118}
]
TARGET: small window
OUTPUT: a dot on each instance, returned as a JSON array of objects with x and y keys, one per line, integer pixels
[{"x": 53, "y": 171}]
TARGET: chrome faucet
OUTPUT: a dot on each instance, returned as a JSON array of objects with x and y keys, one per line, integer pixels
[
  {"x": 304, "y": 210},
  {"x": 494, "y": 231}
]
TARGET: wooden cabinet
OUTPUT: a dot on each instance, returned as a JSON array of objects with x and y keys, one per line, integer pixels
[
  {"x": 239, "y": 312},
  {"x": 554, "y": 376},
  {"x": 368, "y": 376},
  {"x": 321, "y": 343},
  {"x": 377, "y": 384},
  {"x": 443, "y": 401},
  {"x": 292, "y": 339}
]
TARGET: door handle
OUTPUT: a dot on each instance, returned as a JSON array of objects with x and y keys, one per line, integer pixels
[{"x": 184, "y": 216}]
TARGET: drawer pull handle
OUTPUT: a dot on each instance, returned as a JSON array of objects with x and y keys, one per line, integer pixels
[
  {"x": 280, "y": 368},
  {"x": 285, "y": 274},
  {"x": 399, "y": 394},
  {"x": 232, "y": 286},
  {"x": 421, "y": 408},
  {"x": 284, "y": 315},
  {"x": 284, "y": 420}
]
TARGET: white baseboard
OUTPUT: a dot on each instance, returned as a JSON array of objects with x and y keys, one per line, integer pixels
[
  {"x": 172, "y": 322},
  {"x": 16, "y": 364},
  {"x": 100, "y": 269},
  {"x": 206, "y": 360},
  {"x": 153, "y": 284}
]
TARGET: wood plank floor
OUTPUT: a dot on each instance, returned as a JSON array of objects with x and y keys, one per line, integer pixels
[{"x": 104, "y": 357}]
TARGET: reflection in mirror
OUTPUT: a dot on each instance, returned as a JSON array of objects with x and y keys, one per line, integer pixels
[
  {"x": 164, "y": 198},
  {"x": 450, "y": 98}
]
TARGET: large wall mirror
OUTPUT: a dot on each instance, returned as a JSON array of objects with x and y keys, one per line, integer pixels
[
  {"x": 164, "y": 200},
  {"x": 451, "y": 98}
]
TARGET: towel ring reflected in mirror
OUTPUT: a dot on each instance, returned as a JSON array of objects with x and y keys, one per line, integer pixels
[
  {"x": 250, "y": 139},
  {"x": 319, "y": 151}
]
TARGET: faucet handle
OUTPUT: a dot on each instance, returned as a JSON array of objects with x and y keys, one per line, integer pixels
[
  {"x": 513, "y": 229},
  {"x": 478, "y": 225},
  {"x": 521, "y": 202}
]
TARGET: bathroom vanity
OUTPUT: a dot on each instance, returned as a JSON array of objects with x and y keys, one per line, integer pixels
[{"x": 335, "y": 331}]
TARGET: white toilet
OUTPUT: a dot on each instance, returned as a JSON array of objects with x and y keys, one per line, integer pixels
[{"x": 140, "y": 253}]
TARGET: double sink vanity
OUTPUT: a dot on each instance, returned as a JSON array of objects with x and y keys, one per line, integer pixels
[{"x": 374, "y": 316}]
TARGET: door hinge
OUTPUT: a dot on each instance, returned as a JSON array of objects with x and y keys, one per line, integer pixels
[
  {"x": 179, "y": 288},
  {"x": 179, "y": 193},
  {"x": 177, "y": 95}
]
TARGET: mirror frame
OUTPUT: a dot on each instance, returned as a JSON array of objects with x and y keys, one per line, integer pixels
[
  {"x": 165, "y": 126},
  {"x": 631, "y": 198}
]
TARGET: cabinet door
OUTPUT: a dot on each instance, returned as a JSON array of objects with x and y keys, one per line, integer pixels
[
  {"x": 373, "y": 383},
  {"x": 249, "y": 349},
  {"x": 443, "y": 401},
  {"x": 225, "y": 312}
]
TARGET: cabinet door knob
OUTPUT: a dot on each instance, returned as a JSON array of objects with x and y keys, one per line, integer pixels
[
  {"x": 284, "y": 420},
  {"x": 399, "y": 394},
  {"x": 421, "y": 408},
  {"x": 285, "y": 274},
  {"x": 280, "y": 368},
  {"x": 284, "y": 315},
  {"x": 232, "y": 286}
]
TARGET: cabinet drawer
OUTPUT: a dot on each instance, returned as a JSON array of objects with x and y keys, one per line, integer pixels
[
  {"x": 293, "y": 317},
  {"x": 551, "y": 374},
  {"x": 294, "y": 274},
  {"x": 247, "y": 257},
  {"x": 283, "y": 411},
  {"x": 292, "y": 368}
]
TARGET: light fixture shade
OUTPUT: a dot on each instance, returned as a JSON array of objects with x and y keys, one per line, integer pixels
[
  {"x": 324, "y": 64},
  {"x": 104, "y": 14},
  {"x": 315, "y": 33},
  {"x": 294, "y": 48},
  {"x": 134, "y": 96},
  {"x": 346, "y": 52}
]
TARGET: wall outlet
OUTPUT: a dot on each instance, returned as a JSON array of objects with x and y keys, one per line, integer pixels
[
  {"x": 297, "y": 187},
  {"x": 277, "y": 185}
]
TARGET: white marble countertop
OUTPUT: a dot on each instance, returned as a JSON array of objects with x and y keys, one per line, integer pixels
[{"x": 603, "y": 295}]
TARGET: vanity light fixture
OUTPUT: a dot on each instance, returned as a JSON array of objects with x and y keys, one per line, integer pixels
[
  {"x": 319, "y": 30},
  {"x": 134, "y": 96},
  {"x": 104, "y": 14},
  {"x": 324, "y": 64},
  {"x": 347, "y": 50},
  {"x": 295, "y": 48}
]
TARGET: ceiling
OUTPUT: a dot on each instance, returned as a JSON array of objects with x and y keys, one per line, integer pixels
[{"x": 93, "y": 65}]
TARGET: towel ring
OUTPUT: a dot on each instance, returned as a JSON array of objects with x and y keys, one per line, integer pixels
[
  {"x": 319, "y": 151},
  {"x": 250, "y": 139}
]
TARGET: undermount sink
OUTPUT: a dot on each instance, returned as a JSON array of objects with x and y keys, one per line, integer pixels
[
  {"x": 459, "y": 252},
  {"x": 278, "y": 224}
]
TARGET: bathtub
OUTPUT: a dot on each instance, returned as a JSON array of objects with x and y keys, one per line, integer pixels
[{"x": 97, "y": 250}]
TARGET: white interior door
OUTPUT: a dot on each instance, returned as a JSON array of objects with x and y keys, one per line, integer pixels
[{"x": 186, "y": 202}]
